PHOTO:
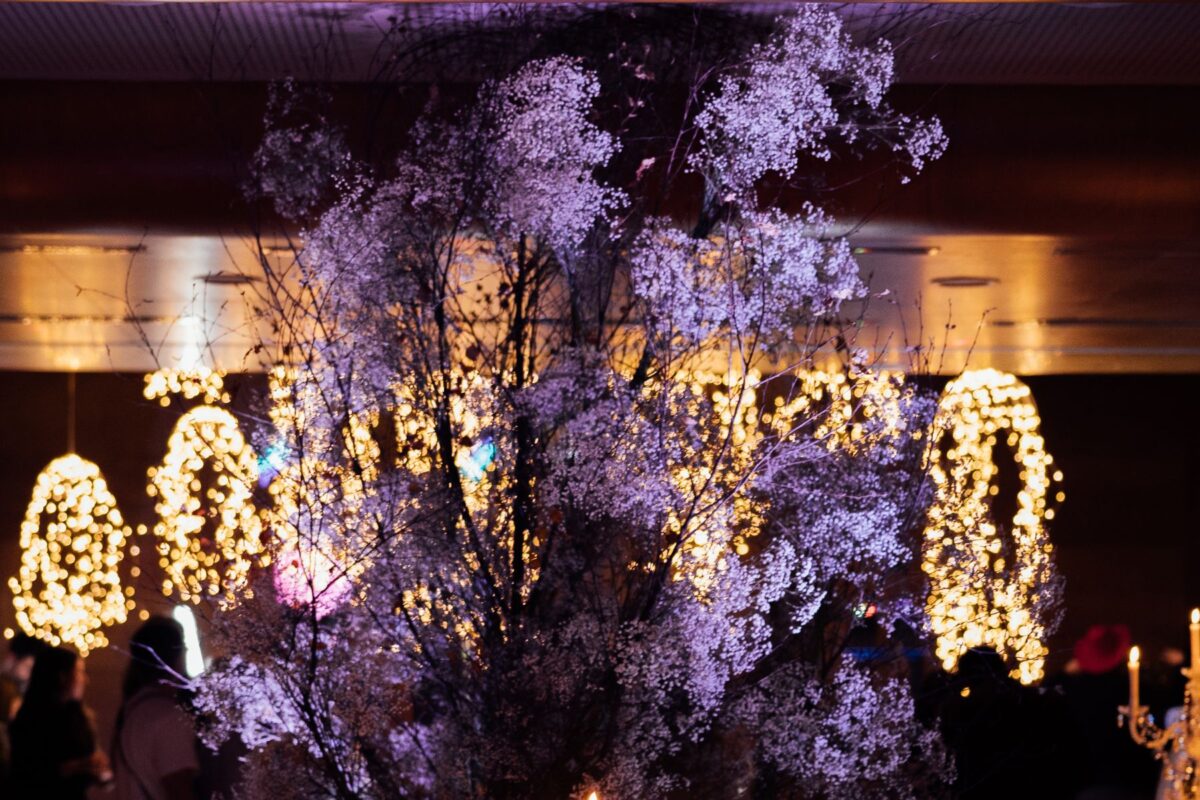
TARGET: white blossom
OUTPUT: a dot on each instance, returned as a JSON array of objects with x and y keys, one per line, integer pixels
[
  {"x": 549, "y": 538},
  {"x": 546, "y": 152}
]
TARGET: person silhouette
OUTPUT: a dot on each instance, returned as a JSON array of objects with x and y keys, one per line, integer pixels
[
  {"x": 154, "y": 741},
  {"x": 53, "y": 738}
]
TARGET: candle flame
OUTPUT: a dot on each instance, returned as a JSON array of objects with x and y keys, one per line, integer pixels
[
  {"x": 1135, "y": 655},
  {"x": 593, "y": 796},
  {"x": 1196, "y": 616}
]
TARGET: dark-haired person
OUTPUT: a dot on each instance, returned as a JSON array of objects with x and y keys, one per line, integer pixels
[
  {"x": 15, "y": 671},
  {"x": 54, "y": 754},
  {"x": 154, "y": 742},
  {"x": 14, "y": 676}
]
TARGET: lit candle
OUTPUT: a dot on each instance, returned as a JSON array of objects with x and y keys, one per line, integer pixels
[
  {"x": 1134, "y": 667},
  {"x": 1194, "y": 628}
]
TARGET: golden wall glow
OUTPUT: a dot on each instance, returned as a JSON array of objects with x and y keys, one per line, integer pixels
[
  {"x": 209, "y": 534},
  {"x": 68, "y": 587},
  {"x": 984, "y": 573}
]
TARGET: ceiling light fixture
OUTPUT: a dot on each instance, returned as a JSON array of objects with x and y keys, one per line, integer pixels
[
  {"x": 86, "y": 319},
  {"x": 964, "y": 281},
  {"x": 229, "y": 279},
  {"x": 72, "y": 249},
  {"x": 895, "y": 250}
]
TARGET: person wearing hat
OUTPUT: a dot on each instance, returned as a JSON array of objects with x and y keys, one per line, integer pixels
[{"x": 1109, "y": 765}]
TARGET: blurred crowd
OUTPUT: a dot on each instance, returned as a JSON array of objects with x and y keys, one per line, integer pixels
[
  {"x": 48, "y": 744},
  {"x": 1056, "y": 740}
]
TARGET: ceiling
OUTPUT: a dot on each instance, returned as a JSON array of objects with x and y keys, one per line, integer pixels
[
  {"x": 985, "y": 43},
  {"x": 1061, "y": 233}
]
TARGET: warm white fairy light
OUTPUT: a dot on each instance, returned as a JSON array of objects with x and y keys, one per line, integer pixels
[
  {"x": 191, "y": 382},
  {"x": 68, "y": 587},
  {"x": 713, "y": 537},
  {"x": 284, "y": 412},
  {"x": 986, "y": 578},
  {"x": 845, "y": 410},
  {"x": 208, "y": 530},
  {"x": 311, "y": 477}
]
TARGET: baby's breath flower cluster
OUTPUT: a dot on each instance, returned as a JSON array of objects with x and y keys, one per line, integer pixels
[
  {"x": 798, "y": 93},
  {"x": 540, "y": 528},
  {"x": 545, "y": 153}
]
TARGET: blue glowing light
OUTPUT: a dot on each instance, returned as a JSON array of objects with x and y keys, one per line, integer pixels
[
  {"x": 475, "y": 465},
  {"x": 272, "y": 462}
]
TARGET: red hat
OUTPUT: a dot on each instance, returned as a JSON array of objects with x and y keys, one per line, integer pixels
[{"x": 1102, "y": 648}]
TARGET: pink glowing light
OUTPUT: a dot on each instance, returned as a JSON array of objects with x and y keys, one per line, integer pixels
[{"x": 306, "y": 576}]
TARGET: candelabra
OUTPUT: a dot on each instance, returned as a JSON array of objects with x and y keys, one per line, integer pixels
[{"x": 1177, "y": 742}]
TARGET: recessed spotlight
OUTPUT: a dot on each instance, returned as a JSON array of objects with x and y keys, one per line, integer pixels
[{"x": 964, "y": 281}]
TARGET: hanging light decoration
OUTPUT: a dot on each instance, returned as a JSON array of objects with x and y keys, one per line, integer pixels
[
  {"x": 192, "y": 382},
  {"x": 844, "y": 410},
  {"x": 991, "y": 581},
  {"x": 209, "y": 533},
  {"x": 191, "y": 378},
  {"x": 68, "y": 588}
]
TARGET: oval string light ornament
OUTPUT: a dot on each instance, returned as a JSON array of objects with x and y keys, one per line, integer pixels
[
  {"x": 68, "y": 588},
  {"x": 209, "y": 532},
  {"x": 992, "y": 580},
  {"x": 191, "y": 383}
]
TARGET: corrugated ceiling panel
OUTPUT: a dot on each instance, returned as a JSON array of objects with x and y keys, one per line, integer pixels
[{"x": 969, "y": 43}]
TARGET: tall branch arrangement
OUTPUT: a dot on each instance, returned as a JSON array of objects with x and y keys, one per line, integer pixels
[{"x": 563, "y": 509}]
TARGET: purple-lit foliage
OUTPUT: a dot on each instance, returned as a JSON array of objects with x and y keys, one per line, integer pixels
[{"x": 561, "y": 548}]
